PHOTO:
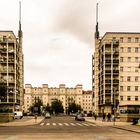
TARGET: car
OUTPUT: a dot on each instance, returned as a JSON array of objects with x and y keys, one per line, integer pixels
[
  {"x": 47, "y": 115},
  {"x": 80, "y": 117},
  {"x": 18, "y": 115}
]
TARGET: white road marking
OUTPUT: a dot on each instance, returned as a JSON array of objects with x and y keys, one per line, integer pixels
[
  {"x": 47, "y": 123},
  {"x": 42, "y": 124},
  {"x": 60, "y": 124},
  {"x": 85, "y": 124},
  {"x": 79, "y": 124},
  {"x": 53, "y": 123},
  {"x": 91, "y": 124},
  {"x": 66, "y": 124},
  {"x": 73, "y": 124}
]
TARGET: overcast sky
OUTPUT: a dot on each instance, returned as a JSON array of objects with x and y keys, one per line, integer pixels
[{"x": 58, "y": 35}]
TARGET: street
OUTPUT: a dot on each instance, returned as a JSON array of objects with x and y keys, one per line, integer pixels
[{"x": 67, "y": 128}]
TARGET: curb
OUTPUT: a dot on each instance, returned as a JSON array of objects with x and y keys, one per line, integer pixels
[
  {"x": 22, "y": 124},
  {"x": 117, "y": 127},
  {"x": 126, "y": 129}
]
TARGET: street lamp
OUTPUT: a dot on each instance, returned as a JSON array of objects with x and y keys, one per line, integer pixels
[{"x": 115, "y": 105}]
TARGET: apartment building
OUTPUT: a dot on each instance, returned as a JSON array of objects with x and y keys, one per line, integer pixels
[
  {"x": 117, "y": 74},
  {"x": 64, "y": 94},
  {"x": 11, "y": 69}
]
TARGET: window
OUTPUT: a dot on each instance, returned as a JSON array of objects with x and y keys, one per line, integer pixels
[
  {"x": 121, "y": 78},
  {"x": 121, "y": 59},
  {"x": 114, "y": 38},
  {"x": 136, "y": 39},
  {"x": 121, "y": 49},
  {"x": 128, "y": 78},
  {"x": 136, "y": 88},
  {"x": 128, "y": 98},
  {"x": 121, "y": 39},
  {"x": 136, "y": 69},
  {"x": 136, "y": 79},
  {"x": 128, "y": 68},
  {"x": 121, "y": 68},
  {"x": 121, "y": 98},
  {"x": 128, "y": 49},
  {"x": 128, "y": 88},
  {"x": 129, "y": 59},
  {"x": 121, "y": 88},
  {"x": 136, "y": 98},
  {"x": 136, "y": 59},
  {"x": 129, "y": 39},
  {"x": 136, "y": 50}
]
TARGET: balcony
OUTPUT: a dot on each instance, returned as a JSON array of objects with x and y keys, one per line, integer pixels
[
  {"x": 115, "y": 61},
  {"x": 108, "y": 102},
  {"x": 107, "y": 92},
  {"x": 107, "y": 70},
  {"x": 107, "y": 81},
  {"x": 108, "y": 52},
  {"x": 116, "y": 71},
  {"x": 116, "y": 51},
  {"x": 116, "y": 81}
]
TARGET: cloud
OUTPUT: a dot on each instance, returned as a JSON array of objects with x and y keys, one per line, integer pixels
[
  {"x": 76, "y": 18},
  {"x": 58, "y": 35}
]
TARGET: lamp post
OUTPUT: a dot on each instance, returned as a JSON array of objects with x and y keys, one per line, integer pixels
[{"x": 115, "y": 105}]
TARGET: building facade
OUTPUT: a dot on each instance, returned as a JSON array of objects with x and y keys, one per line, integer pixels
[
  {"x": 64, "y": 94},
  {"x": 10, "y": 69},
  {"x": 117, "y": 74}
]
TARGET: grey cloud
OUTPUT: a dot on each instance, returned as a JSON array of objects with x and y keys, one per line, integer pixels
[{"x": 76, "y": 17}]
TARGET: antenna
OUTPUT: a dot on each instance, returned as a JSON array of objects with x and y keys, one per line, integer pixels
[
  {"x": 97, "y": 13},
  {"x": 19, "y": 15},
  {"x": 20, "y": 31},
  {"x": 97, "y": 29}
]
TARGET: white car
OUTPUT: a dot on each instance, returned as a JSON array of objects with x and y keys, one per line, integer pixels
[
  {"x": 47, "y": 115},
  {"x": 18, "y": 114},
  {"x": 80, "y": 117}
]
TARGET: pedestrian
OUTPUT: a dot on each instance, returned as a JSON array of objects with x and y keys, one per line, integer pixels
[
  {"x": 104, "y": 116},
  {"x": 95, "y": 116},
  {"x": 35, "y": 118},
  {"x": 109, "y": 117}
]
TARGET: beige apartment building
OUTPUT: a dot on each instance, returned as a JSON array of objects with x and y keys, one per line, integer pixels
[
  {"x": 11, "y": 69},
  {"x": 64, "y": 94},
  {"x": 117, "y": 74}
]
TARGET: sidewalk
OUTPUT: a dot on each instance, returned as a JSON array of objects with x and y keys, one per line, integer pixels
[
  {"x": 120, "y": 125},
  {"x": 23, "y": 122}
]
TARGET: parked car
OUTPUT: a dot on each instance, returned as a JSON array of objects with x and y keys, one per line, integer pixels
[
  {"x": 47, "y": 115},
  {"x": 80, "y": 117},
  {"x": 18, "y": 115}
]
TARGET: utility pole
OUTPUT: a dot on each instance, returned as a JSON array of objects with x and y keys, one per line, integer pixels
[{"x": 114, "y": 108}]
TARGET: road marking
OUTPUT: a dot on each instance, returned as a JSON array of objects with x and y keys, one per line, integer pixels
[
  {"x": 47, "y": 123},
  {"x": 91, "y": 124},
  {"x": 42, "y": 124},
  {"x": 73, "y": 124},
  {"x": 60, "y": 124},
  {"x": 53, "y": 123},
  {"x": 85, "y": 124},
  {"x": 66, "y": 124},
  {"x": 79, "y": 124}
]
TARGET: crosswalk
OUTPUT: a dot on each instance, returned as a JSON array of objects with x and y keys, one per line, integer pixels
[{"x": 66, "y": 124}]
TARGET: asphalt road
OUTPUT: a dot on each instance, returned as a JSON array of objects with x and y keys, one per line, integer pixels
[{"x": 65, "y": 128}]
